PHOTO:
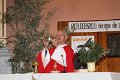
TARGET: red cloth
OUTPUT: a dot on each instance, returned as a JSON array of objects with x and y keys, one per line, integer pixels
[{"x": 50, "y": 66}]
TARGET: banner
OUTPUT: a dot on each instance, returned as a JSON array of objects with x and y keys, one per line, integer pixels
[
  {"x": 94, "y": 26},
  {"x": 78, "y": 42}
]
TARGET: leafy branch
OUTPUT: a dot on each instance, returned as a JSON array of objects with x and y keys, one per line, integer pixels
[{"x": 26, "y": 34}]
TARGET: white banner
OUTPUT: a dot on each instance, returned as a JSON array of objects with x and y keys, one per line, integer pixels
[
  {"x": 95, "y": 26},
  {"x": 80, "y": 41}
]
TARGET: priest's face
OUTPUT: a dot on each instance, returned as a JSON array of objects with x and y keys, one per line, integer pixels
[{"x": 61, "y": 37}]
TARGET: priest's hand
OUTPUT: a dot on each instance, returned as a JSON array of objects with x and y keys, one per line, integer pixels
[
  {"x": 54, "y": 42},
  {"x": 45, "y": 43}
]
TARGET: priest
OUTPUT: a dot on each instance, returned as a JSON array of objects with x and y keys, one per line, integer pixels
[{"x": 61, "y": 55}]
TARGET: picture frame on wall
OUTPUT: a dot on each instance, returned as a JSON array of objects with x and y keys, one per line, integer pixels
[
  {"x": 78, "y": 42},
  {"x": 113, "y": 43}
]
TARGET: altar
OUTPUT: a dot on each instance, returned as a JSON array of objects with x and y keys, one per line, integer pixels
[
  {"x": 81, "y": 76},
  {"x": 63, "y": 76}
]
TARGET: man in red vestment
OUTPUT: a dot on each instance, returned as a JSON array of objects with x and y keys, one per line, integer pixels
[{"x": 62, "y": 56}]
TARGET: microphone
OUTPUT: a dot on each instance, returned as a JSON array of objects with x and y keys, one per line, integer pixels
[{"x": 64, "y": 71}]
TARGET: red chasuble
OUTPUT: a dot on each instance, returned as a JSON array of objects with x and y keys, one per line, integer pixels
[
  {"x": 50, "y": 66},
  {"x": 41, "y": 68}
]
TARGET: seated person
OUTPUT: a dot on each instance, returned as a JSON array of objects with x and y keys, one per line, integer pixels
[{"x": 61, "y": 55}]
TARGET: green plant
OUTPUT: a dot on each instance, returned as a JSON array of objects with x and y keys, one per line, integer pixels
[
  {"x": 2, "y": 45},
  {"x": 92, "y": 53},
  {"x": 26, "y": 34}
]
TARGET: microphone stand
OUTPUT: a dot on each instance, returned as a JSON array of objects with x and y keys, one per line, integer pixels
[{"x": 64, "y": 71}]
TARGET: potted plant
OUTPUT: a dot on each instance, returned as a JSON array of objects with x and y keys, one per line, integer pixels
[{"x": 90, "y": 53}]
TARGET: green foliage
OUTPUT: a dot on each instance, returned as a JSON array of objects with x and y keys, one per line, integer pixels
[
  {"x": 24, "y": 19},
  {"x": 92, "y": 53},
  {"x": 2, "y": 45}
]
